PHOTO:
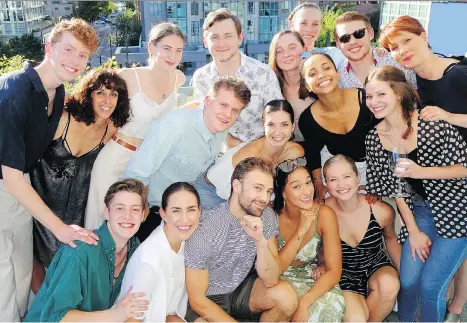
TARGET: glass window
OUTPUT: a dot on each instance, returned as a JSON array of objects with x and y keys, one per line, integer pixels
[
  {"x": 194, "y": 9},
  {"x": 268, "y": 8},
  {"x": 195, "y": 27},
  {"x": 251, "y": 7}
]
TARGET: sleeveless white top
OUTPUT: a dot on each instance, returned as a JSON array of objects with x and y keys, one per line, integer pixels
[
  {"x": 221, "y": 172},
  {"x": 144, "y": 111}
]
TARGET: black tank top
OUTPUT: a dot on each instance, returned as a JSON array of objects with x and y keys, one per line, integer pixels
[{"x": 62, "y": 181}]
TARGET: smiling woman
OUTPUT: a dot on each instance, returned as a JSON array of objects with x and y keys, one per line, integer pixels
[
  {"x": 339, "y": 119},
  {"x": 61, "y": 178}
]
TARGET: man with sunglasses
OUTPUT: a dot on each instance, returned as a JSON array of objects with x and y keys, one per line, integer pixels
[{"x": 353, "y": 34}]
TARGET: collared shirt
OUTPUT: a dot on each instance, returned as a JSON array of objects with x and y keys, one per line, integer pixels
[
  {"x": 25, "y": 127},
  {"x": 349, "y": 80},
  {"x": 179, "y": 147},
  {"x": 264, "y": 87},
  {"x": 221, "y": 246},
  {"x": 80, "y": 278}
]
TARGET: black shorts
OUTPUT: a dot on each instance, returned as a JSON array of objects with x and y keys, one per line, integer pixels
[{"x": 236, "y": 303}]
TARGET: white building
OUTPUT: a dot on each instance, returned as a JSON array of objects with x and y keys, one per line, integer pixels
[
  {"x": 20, "y": 17},
  {"x": 60, "y": 8}
]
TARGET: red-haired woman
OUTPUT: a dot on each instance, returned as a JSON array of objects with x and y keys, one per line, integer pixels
[
  {"x": 435, "y": 214},
  {"x": 442, "y": 86}
]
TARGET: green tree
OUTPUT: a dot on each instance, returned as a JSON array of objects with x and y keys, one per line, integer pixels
[
  {"x": 9, "y": 64},
  {"x": 26, "y": 45},
  {"x": 92, "y": 10},
  {"x": 129, "y": 29},
  {"x": 326, "y": 35}
]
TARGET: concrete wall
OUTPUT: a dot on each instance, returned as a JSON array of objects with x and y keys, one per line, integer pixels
[{"x": 447, "y": 29}]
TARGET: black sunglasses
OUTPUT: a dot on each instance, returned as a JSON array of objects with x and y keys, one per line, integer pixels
[
  {"x": 289, "y": 165},
  {"x": 358, "y": 34}
]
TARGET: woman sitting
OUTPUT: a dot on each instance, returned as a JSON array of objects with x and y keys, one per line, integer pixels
[
  {"x": 274, "y": 147},
  {"x": 339, "y": 119},
  {"x": 303, "y": 226},
  {"x": 95, "y": 110},
  {"x": 433, "y": 209},
  {"x": 370, "y": 282},
  {"x": 161, "y": 275}
]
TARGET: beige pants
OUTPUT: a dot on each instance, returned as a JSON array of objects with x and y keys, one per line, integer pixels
[
  {"x": 15, "y": 256},
  {"x": 108, "y": 168}
]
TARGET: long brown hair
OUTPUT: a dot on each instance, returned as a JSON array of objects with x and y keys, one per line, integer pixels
[
  {"x": 409, "y": 98},
  {"x": 303, "y": 93}
]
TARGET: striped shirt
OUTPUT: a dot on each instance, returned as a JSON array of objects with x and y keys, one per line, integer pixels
[{"x": 221, "y": 246}]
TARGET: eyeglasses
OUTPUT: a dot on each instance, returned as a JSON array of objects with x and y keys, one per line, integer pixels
[
  {"x": 289, "y": 165},
  {"x": 357, "y": 34}
]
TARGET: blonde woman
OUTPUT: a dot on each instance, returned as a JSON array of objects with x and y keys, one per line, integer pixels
[{"x": 153, "y": 92}]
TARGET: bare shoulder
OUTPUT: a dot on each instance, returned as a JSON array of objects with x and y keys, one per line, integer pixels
[
  {"x": 249, "y": 150},
  {"x": 327, "y": 219},
  {"x": 383, "y": 212},
  {"x": 181, "y": 79},
  {"x": 294, "y": 150}
]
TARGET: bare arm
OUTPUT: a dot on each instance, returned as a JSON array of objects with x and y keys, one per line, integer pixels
[
  {"x": 268, "y": 264},
  {"x": 109, "y": 315},
  {"x": 386, "y": 213},
  {"x": 21, "y": 190},
  {"x": 197, "y": 281},
  {"x": 329, "y": 230}
]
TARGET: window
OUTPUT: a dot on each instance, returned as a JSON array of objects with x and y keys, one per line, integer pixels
[
  {"x": 55, "y": 2},
  {"x": 194, "y": 9},
  {"x": 195, "y": 27},
  {"x": 268, "y": 27},
  {"x": 285, "y": 6},
  {"x": 176, "y": 10},
  {"x": 251, "y": 7},
  {"x": 269, "y": 8},
  {"x": 67, "y": 8},
  {"x": 155, "y": 8},
  {"x": 20, "y": 16}
]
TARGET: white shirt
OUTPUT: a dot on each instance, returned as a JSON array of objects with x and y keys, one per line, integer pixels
[
  {"x": 348, "y": 80},
  {"x": 264, "y": 87},
  {"x": 158, "y": 271}
]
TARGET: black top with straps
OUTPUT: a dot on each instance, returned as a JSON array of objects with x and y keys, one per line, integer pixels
[
  {"x": 351, "y": 144},
  {"x": 359, "y": 263},
  {"x": 62, "y": 181},
  {"x": 449, "y": 92}
]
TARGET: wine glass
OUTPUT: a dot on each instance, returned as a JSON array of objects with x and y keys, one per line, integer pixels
[{"x": 397, "y": 153}]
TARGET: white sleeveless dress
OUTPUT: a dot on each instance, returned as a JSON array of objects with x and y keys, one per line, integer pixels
[{"x": 114, "y": 158}]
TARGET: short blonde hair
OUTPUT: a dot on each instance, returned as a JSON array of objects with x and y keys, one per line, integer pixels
[{"x": 79, "y": 28}]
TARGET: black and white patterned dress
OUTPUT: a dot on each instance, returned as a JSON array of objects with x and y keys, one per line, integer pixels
[{"x": 438, "y": 144}]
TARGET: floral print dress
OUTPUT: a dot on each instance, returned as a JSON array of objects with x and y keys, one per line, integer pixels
[{"x": 329, "y": 307}]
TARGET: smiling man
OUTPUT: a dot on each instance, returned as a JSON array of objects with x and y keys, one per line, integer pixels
[
  {"x": 31, "y": 104},
  {"x": 184, "y": 143},
  {"x": 353, "y": 34},
  {"x": 222, "y": 36},
  {"x": 231, "y": 238}
]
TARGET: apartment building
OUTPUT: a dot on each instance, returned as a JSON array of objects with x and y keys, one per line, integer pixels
[
  {"x": 20, "y": 17},
  {"x": 260, "y": 20},
  {"x": 60, "y": 8},
  {"x": 443, "y": 20}
]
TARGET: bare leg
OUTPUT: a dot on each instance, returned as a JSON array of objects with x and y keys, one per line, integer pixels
[
  {"x": 173, "y": 318},
  {"x": 277, "y": 304},
  {"x": 460, "y": 290},
  {"x": 38, "y": 276},
  {"x": 356, "y": 309},
  {"x": 383, "y": 288}
]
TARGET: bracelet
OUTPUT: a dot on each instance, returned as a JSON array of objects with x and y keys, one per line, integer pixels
[{"x": 317, "y": 177}]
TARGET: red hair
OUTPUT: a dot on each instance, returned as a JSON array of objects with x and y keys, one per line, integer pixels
[{"x": 396, "y": 26}]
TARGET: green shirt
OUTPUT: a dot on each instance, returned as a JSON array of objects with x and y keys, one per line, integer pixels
[{"x": 80, "y": 278}]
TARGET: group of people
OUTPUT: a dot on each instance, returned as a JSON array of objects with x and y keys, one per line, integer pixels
[{"x": 272, "y": 196}]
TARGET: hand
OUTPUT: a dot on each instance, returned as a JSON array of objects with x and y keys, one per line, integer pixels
[
  {"x": 253, "y": 226},
  {"x": 67, "y": 233},
  {"x": 321, "y": 191},
  {"x": 318, "y": 271},
  {"x": 129, "y": 307},
  {"x": 307, "y": 219},
  {"x": 408, "y": 168},
  {"x": 420, "y": 245},
  {"x": 372, "y": 198},
  {"x": 432, "y": 113},
  {"x": 301, "y": 313}
]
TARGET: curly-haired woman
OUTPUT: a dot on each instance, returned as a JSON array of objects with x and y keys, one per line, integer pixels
[{"x": 91, "y": 117}]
